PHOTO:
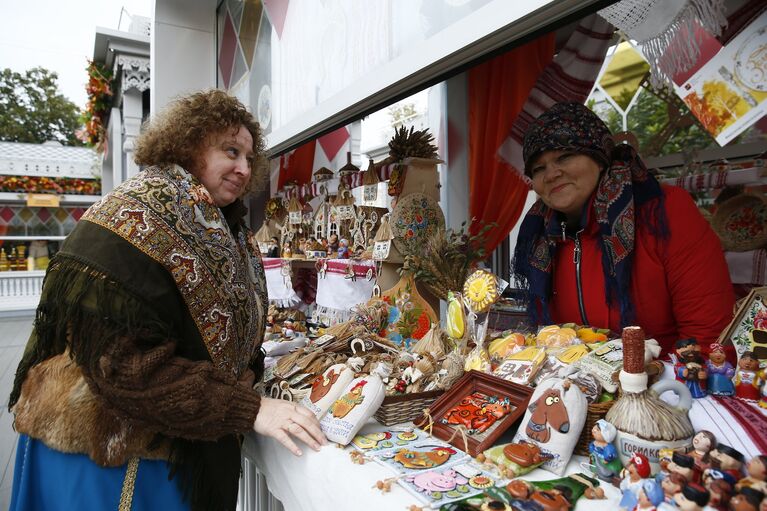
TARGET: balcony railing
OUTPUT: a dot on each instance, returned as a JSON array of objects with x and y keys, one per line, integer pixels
[{"x": 20, "y": 290}]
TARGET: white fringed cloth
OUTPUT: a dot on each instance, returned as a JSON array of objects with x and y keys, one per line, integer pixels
[
  {"x": 713, "y": 180},
  {"x": 748, "y": 267},
  {"x": 279, "y": 284},
  {"x": 656, "y": 24},
  {"x": 569, "y": 77},
  {"x": 337, "y": 292}
]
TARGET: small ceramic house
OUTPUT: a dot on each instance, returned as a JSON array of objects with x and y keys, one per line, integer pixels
[
  {"x": 348, "y": 169},
  {"x": 323, "y": 174}
]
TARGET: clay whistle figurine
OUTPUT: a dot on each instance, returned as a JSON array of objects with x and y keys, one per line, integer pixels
[
  {"x": 756, "y": 469},
  {"x": 693, "y": 497},
  {"x": 690, "y": 367},
  {"x": 720, "y": 372},
  {"x": 650, "y": 496},
  {"x": 747, "y": 499},
  {"x": 684, "y": 465},
  {"x": 702, "y": 443},
  {"x": 728, "y": 460},
  {"x": 637, "y": 469},
  {"x": 602, "y": 453},
  {"x": 747, "y": 378}
]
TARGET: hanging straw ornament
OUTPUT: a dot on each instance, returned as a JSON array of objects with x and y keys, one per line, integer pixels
[
  {"x": 264, "y": 235},
  {"x": 666, "y": 31},
  {"x": 344, "y": 204},
  {"x": 295, "y": 211},
  {"x": 370, "y": 181},
  {"x": 382, "y": 240}
]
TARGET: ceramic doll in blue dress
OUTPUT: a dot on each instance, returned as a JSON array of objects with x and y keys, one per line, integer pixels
[{"x": 720, "y": 372}]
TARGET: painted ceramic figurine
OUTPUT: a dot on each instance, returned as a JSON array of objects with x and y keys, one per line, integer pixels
[
  {"x": 332, "y": 247},
  {"x": 720, "y": 493},
  {"x": 672, "y": 484},
  {"x": 720, "y": 372},
  {"x": 273, "y": 249},
  {"x": 637, "y": 469},
  {"x": 728, "y": 460},
  {"x": 702, "y": 443},
  {"x": 693, "y": 497},
  {"x": 747, "y": 378},
  {"x": 690, "y": 367},
  {"x": 747, "y": 499},
  {"x": 343, "y": 249},
  {"x": 287, "y": 250},
  {"x": 684, "y": 465},
  {"x": 757, "y": 474},
  {"x": 602, "y": 453},
  {"x": 650, "y": 496}
]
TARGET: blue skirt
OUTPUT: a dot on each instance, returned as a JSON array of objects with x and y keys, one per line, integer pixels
[{"x": 45, "y": 479}]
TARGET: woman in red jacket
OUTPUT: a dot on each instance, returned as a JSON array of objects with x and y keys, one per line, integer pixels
[{"x": 607, "y": 245}]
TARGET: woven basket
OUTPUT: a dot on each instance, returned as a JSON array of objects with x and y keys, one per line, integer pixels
[
  {"x": 405, "y": 407},
  {"x": 595, "y": 412},
  {"x": 741, "y": 222}
]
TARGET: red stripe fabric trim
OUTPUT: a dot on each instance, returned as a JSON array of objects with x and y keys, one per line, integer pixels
[{"x": 753, "y": 422}]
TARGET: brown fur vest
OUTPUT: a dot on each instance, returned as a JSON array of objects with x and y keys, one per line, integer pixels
[{"x": 57, "y": 406}]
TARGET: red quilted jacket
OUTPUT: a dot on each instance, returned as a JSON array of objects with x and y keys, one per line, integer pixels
[{"x": 680, "y": 287}]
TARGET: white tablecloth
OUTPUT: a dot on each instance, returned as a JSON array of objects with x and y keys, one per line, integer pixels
[{"x": 328, "y": 480}]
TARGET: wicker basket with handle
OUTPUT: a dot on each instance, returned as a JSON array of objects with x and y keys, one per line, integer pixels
[
  {"x": 595, "y": 412},
  {"x": 405, "y": 407}
]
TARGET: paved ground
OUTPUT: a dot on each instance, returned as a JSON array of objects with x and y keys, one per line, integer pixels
[{"x": 13, "y": 337}]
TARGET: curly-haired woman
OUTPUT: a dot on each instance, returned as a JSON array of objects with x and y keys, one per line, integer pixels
[{"x": 137, "y": 381}]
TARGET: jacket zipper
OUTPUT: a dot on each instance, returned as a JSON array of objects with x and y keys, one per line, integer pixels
[
  {"x": 578, "y": 283},
  {"x": 577, "y": 261}
]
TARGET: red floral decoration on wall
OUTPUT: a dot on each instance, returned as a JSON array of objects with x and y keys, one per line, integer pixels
[
  {"x": 42, "y": 184},
  {"x": 99, "y": 91}
]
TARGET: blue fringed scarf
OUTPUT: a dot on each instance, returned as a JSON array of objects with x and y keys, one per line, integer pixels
[{"x": 626, "y": 193}]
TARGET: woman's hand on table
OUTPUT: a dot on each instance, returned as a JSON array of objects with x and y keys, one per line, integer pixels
[{"x": 284, "y": 421}]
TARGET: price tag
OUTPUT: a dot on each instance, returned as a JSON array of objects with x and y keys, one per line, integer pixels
[
  {"x": 319, "y": 341},
  {"x": 381, "y": 250}
]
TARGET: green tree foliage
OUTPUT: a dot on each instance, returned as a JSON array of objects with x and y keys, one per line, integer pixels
[
  {"x": 32, "y": 110},
  {"x": 647, "y": 118}
]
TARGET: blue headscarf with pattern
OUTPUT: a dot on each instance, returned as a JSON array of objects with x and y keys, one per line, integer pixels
[{"x": 626, "y": 193}]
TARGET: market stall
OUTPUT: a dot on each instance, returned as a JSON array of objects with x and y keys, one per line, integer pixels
[{"x": 449, "y": 411}]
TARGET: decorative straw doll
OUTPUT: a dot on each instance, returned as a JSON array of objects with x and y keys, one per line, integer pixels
[
  {"x": 693, "y": 497},
  {"x": 757, "y": 474},
  {"x": 604, "y": 456},
  {"x": 720, "y": 372},
  {"x": 702, "y": 443},
  {"x": 637, "y": 469},
  {"x": 690, "y": 367},
  {"x": 747, "y": 379}
]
